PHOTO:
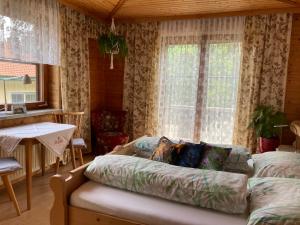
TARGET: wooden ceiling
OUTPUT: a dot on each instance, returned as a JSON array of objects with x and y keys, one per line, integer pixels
[{"x": 160, "y": 9}]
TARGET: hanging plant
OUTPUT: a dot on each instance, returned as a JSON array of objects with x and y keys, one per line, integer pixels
[{"x": 112, "y": 44}]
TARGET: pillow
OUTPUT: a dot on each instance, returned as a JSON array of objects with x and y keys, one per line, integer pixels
[
  {"x": 226, "y": 192},
  {"x": 277, "y": 164},
  {"x": 214, "y": 157},
  {"x": 144, "y": 147},
  {"x": 127, "y": 149},
  {"x": 163, "y": 152},
  {"x": 188, "y": 154},
  {"x": 274, "y": 201},
  {"x": 237, "y": 161}
]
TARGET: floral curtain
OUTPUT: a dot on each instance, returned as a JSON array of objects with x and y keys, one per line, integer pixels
[
  {"x": 29, "y": 31},
  {"x": 264, "y": 70},
  {"x": 76, "y": 29},
  {"x": 140, "y": 78}
]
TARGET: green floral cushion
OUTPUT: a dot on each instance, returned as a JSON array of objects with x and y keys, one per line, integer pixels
[
  {"x": 237, "y": 161},
  {"x": 221, "y": 191},
  {"x": 277, "y": 164},
  {"x": 214, "y": 157},
  {"x": 274, "y": 201}
]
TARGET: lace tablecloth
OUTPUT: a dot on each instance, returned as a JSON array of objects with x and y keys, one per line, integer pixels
[{"x": 53, "y": 136}]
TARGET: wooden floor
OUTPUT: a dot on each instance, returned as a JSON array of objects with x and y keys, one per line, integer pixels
[{"x": 42, "y": 199}]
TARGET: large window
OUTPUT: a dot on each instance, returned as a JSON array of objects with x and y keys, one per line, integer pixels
[
  {"x": 198, "y": 89},
  {"x": 12, "y": 75}
]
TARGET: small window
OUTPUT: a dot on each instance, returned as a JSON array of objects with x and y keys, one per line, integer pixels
[
  {"x": 18, "y": 98},
  {"x": 16, "y": 90}
]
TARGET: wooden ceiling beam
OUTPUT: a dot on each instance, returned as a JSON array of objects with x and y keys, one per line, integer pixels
[
  {"x": 291, "y": 2},
  {"x": 116, "y": 9}
]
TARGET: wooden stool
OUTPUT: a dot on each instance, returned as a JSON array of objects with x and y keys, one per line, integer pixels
[{"x": 7, "y": 167}]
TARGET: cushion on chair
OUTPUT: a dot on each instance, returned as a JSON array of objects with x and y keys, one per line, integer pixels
[
  {"x": 78, "y": 143},
  {"x": 8, "y": 165},
  {"x": 106, "y": 120}
]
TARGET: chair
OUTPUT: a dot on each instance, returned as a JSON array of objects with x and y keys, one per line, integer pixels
[
  {"x": 108, "y": 129},
  {"x": 7, "y": 167},
  {"x": 77, "y": 143}
]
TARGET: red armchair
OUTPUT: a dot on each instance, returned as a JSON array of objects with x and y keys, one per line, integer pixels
[{"x": 108, "y": 130}]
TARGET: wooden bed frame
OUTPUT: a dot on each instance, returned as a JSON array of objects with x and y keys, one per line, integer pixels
[{"x": 62, "y": 213}]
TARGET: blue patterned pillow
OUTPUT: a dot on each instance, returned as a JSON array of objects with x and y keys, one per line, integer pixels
[
  {"x": 188, "y": 154},
  {"x": 145, "y": 146}
]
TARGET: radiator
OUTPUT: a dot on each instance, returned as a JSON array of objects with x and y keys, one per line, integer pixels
[{"x": 19, "y": 154}]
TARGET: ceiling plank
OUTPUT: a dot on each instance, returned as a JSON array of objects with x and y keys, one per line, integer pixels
[
  {"x": 291, "y": 2},
  {"x": 116, "y": 8},
  {"x": 211, "y": 15}
]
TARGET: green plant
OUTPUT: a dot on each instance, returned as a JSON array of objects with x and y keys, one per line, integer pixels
[
  {"x": 112, "y": 44},
  {"x": 264, "y": 121}
]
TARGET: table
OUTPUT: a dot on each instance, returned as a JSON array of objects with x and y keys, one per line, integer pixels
[{"x": 54, "y": 136}]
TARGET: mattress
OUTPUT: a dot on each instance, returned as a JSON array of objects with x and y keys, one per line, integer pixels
[{"x": 146, "y": 209}]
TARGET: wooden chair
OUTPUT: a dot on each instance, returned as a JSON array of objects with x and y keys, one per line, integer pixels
[
  {"x": 77, "y": 143},
  {"x": 7, "y": 167}
]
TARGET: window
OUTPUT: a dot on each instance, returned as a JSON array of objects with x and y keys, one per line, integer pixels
[
  {"x": 198, "y": 89},
  {"x": 17, "y": 98},
  {"x": 11, "y": 76}
]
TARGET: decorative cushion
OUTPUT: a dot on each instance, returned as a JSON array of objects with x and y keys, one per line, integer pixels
[
  {"x": 127, "y": 149},
  {"x": 214, "y": 157},
  {"x": 145, "y": 146},
  {"x": 237, "y": 160},
  {"x": 274, "y": 201},
  {"x": 277, "y": 164},
  {"x": 106, "y": 120},
  {"x": 221, "y": 191},
  {"x": 78, "y": 143},
  {"x": 163, "y": 152},
  {"x": 188, "y": 154},
  {"x": 9, "y": 164}
]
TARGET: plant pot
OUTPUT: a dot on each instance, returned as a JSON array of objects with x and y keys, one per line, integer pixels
[{"x": 268, "y": 144}]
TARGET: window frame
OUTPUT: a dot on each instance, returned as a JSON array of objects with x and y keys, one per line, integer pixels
[{"x": 40, "y": 86}]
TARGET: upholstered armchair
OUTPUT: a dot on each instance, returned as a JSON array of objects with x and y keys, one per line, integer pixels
[{"x": 108, "y": 130}]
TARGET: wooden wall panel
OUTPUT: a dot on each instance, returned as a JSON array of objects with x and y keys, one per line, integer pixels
[
  {"x": 54, "y": 91},
  {"x": 106, "y": 86},
  {"x": 292, "y": 97}
]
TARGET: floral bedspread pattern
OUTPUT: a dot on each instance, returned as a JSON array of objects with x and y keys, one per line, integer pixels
[
  {"x": 274, "y": 201},
  {"x": 226, "y": 192},
  {"x": 277, "y": 164}
]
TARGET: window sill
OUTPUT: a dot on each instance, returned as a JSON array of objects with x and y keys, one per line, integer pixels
[{"x": 9, "y": 115}]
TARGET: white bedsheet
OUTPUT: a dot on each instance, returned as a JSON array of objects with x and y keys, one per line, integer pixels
[{"x": 145, "y": 209}]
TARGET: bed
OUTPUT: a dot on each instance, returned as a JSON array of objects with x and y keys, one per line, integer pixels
[{"x": 79, "y": 201}]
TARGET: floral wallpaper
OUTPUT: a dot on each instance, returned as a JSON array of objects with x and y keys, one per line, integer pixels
[{"x": 263, "y": 70}]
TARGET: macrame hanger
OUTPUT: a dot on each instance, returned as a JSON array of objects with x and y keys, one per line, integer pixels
[{"x": 112, "y": 26}]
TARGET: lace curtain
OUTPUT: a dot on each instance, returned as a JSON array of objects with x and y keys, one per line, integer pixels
[
  {"x": 29, "y": 31},
  {"x": 198, "y": 73}
]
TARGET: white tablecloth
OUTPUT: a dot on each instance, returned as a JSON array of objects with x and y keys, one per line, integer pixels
[{"x": 53, "y": 136}]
